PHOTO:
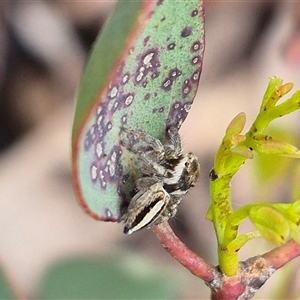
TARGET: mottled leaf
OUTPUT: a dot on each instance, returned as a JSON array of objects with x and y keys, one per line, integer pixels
[{"x": 143, "y": 74}]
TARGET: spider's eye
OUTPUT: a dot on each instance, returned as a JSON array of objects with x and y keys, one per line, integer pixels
[{"x": 187, "y": 164}]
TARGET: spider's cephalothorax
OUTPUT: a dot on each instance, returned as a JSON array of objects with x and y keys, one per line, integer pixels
[{"x": 167, "y": 176}]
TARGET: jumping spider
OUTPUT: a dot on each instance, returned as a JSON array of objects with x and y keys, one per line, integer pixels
[{"x": 167, "y": 176}]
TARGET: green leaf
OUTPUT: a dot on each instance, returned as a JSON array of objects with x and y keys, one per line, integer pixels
[
  {"x": 242, "y": 151},
  {"x": 271, "y": 224},
  {"x": 271, "y": 96},
  {"x": 236, "y": 244},
  {"x": 275, "y": 91},
  {"x": 107, "y": 278},
  {"x": 236, "y": 126},
  {"x": 143, "y": 74},
  {"x": 296, "y": 206},
  {"x": 271, "y": 146},
  {"x": 295, "y": 232}
]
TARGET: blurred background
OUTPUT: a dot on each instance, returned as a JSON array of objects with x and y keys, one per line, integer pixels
[{"x": 44, "y": 234}]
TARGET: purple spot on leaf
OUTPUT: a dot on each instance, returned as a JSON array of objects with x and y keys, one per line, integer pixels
[
  {"x": 125, "y": 78},
  {"x": 167, "y": 84},
  {"x": 175, "y": 73},
  {"x": 195, "y": 60},
  {"x": 94, "y": 173},
  {"x": 186, "y": 88},
  {"x": 101, "y": 112},
  {"x": 194, "y": 13},
  {"x": 195, "y": 77},
  {"x": 172, "y": 76},
  {"x": 187, "y": 106},
  {"x": 113, "y": 92},
  {"x": 87, "y": 143},
  {"x": 196, "y": 46},
  {"x": 148, "y": 62},
  {"x": 109, "y": 125},
  {"x": 144, "y": 84},
  {"x": 177, "y": 114},
  {"x": 113, "y": 165},
  {"x": 146, "y": 40},
  {"x": 155, "y": 74},
  {"x": 89, "y": 138},
  {"x": 99, "y": 149},
  {"x": 124, "y": 119},
  {"x": 102, "y": 179},
  {"x": 187, "y": 31},
  {"x": 115, "y": 106},
  {"x": 108, "y": 215},
  {"x": 171, "y": 46},
  {"x": 128, "y": 98},
  {"x": 147, "y": 96},
  {"x": 158, "y": 110}
]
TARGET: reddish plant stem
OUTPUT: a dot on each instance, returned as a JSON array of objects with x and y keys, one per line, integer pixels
[
  {"x": 253, "y": 273},
  {"x": 232, "y": 288},
  {"x": 279, "y": 256},
  {"x": 189, "y": 259}
]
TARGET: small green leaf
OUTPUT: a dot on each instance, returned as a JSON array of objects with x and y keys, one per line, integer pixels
[
  {"x": 271, "y": 97},
  {"x": 295, "y": 232},
  {"x": 236, "y": 126},
  {"x": 296, "y": 206},
  {"x": 271, "y": 224},
  {"x": 241, "y": 240},
  {"x": 263, "y": 165},
  {"x": 242, "y": 151},
  {"x": 271, "y": 146},
  {"x": 288, "y": 106},
  {"x": 278, "y": 93}
]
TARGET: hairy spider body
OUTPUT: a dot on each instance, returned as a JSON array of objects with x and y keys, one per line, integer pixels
[{"x": 167, "y": 176}]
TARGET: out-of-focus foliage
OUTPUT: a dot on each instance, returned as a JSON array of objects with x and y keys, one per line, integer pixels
[
  {"x": 108, "y": 278},
  {"x": 6, "y": 291}
]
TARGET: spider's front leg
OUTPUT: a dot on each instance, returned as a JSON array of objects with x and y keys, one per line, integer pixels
[
  {"x": 144, "y": 183},
  {"x": 151, "y": 167},
  {"x": 148, "y": 140},
  {"x": 150, "y": 160},
  {"x": 174, "y": 148},
  {"x": 172, "y": 206},
  {"x": 145, "y": 208}
]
